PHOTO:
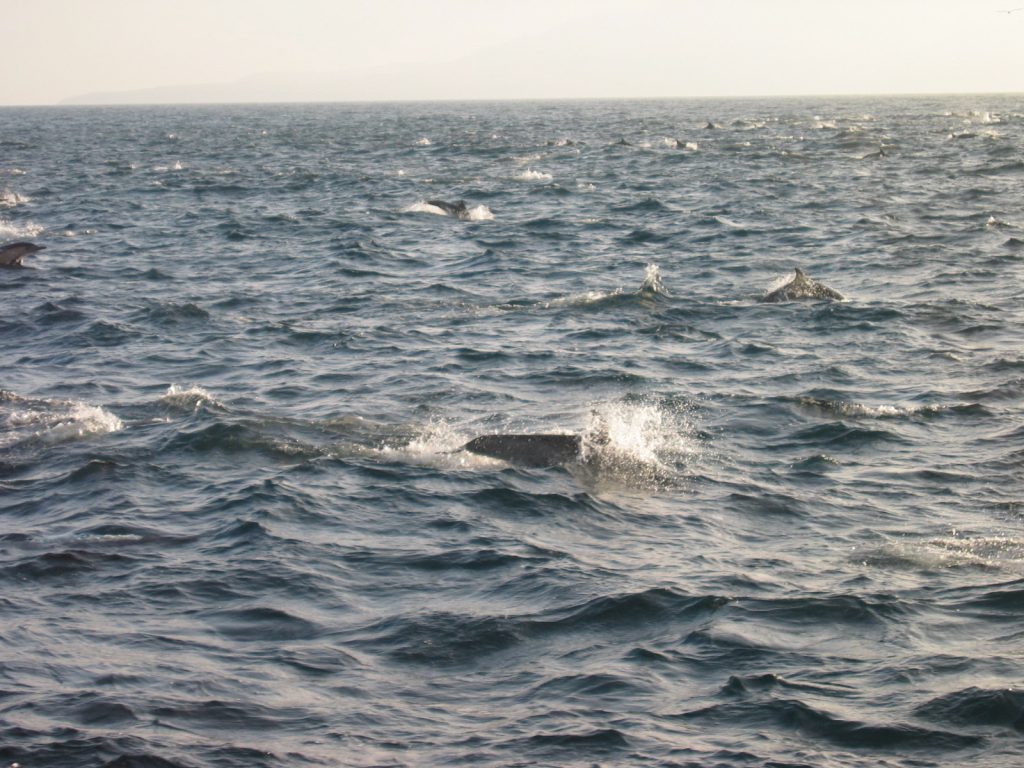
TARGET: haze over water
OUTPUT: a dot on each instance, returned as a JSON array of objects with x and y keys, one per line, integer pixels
[{"x": 236, "y": 528}]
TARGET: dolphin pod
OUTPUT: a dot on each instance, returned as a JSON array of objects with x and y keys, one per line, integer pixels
[
  {"x": 12, "y": 253},
  {"x": 802, "y": 287}
]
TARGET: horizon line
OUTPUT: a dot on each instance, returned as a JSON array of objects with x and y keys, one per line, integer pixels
[{"x": 518, "y": 99}]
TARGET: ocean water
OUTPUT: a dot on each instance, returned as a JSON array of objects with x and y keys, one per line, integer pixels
[{"x": 236, "y": 528}]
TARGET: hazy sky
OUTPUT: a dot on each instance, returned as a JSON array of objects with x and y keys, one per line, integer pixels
[{"x": 427, "y": 49}]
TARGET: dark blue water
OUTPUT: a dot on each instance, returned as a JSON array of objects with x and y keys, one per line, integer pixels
[{"x": 235, "y": 528}]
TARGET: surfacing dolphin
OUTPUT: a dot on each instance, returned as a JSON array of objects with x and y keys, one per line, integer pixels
[
  {"x": 12, "y": 254},
  {"x": 802, "y": 287},
  {"x": 457, "y": 209},
  {"x": 530, "y": 450}
]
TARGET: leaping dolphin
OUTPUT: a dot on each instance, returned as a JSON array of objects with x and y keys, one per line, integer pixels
[
  {"x": 12, "y": 254},
  {"x": 802, "y": 287},
  {"x": 537, "y": 450}
]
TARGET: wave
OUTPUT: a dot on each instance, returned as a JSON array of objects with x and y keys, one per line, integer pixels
[
  {"x": 39, "y": 421},
  {"x": 651, "y": 289},
  {"x": 985, "y": 553},
  {"x": 798, "y": 717},
  {"x": 853, "y": 410},
  {"x": 1003, "y": 707},
  {"x": 189, "y": 398}
]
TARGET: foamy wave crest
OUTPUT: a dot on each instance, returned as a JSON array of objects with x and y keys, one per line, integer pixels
[
  {"x": 50, "y": 422},
  {"x": 188, "y": 398},
  {"x": 11, "y": 231},
  {"x": 424, "y": 142},
  {"x": 479, "y": 213},
  {"x": 531, "y": 175}
]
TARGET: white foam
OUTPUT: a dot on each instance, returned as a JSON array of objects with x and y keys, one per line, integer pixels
[
  {"x": 190, "y": 397},
  {"x": 532, "y": 175},
  {"x": 422, "y": 206},
  {"x": 424, "y": 142},
  {"x": 437, "y": 444},
  {"x": 480, "y": 213},
  {"x": 10, "y": 231},
  {"x": 54, "y": 421},
  {"x": 637, "y": 444}
]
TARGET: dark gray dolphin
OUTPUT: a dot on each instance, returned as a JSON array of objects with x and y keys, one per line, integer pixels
[
  {"x": 802, "y": 287},
  {"x": 12, "y": 254},
  {"x": 457, "y": 209},
  {"x": 537, "y": 450}
]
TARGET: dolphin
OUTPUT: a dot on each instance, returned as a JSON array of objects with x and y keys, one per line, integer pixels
[
  {"x": 457, "y": 209},
  {"x": 532, "y": 450},
  {"x": 12, "y": 254},
  {"x": 802, "y": 287}
]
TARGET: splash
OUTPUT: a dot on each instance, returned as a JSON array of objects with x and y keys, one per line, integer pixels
[
  {"x": 652, "y": 285},
  {"x": 479, "y": 213},
  {"x": 9, "y": 199},
  {"x": 189, "y": 398},
  {"x": 10, "y": 231},
  {"x": 638, "y": 443},
  {"x": 434, "y": 444},
  {"x": 51, "y": 422},
  {"x": 531, "y": 175}
]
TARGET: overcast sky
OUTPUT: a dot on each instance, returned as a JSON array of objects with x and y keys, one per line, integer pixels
[{"x": 258, "y": 50}]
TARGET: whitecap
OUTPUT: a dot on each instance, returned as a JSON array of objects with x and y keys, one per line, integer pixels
[
  {"x": 52, "y": 422},
  {"x": 190, "y": 398},
  {"x": 531, "y": 175},
  {"x": 11, "y": 231}
]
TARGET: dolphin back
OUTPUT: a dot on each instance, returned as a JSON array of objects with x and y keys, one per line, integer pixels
[
  {"x": 528, "y": 450},
  {"x": 12, "y": 253}
]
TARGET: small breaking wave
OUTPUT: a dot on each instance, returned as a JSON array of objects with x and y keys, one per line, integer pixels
[
  {"x": 531, "y": 175},
  {"x": 27, "y": 421},
  {"x": 188, "y": 398}
]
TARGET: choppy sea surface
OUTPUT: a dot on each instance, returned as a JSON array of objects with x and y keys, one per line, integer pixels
[{"x": 236, "y": 528}]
